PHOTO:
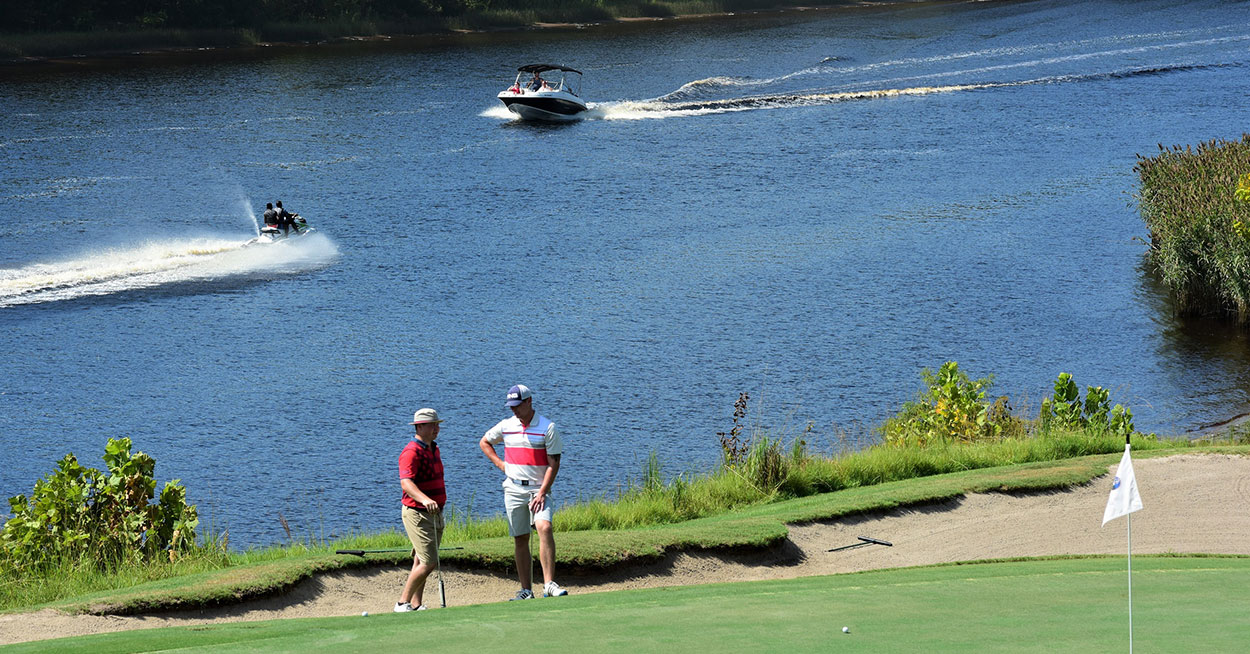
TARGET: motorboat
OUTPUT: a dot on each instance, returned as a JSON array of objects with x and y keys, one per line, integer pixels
[
  {"x": 532, "y": 97},
  {"x": 272, "y": 234}
]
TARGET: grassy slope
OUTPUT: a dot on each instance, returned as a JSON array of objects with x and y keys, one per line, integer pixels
[
  {"x": 756, "y": 527},
  {"x": 1057, "y": 605}
]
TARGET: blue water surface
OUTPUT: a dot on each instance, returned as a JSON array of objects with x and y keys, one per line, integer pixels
[{"x": 808, "y": 206}]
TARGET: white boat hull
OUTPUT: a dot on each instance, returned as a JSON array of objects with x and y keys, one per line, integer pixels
[{"x": 545, "y": 106}]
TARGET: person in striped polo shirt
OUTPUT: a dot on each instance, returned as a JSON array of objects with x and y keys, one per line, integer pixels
[
  {"x": 531, "y": 460},
  {"x": 421, "y": 478}
]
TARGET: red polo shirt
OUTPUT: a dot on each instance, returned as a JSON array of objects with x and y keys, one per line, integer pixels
[{"x": 422, "y": 464}]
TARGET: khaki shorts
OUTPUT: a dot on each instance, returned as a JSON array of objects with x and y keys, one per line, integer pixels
[
  {"x": 516, "y": 500},
  {"x": 425, "y": 531}
]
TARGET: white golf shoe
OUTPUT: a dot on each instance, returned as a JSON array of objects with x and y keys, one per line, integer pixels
[{"x": 552, "y": 589}]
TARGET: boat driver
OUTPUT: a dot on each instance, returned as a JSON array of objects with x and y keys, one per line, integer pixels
[
  {"x": 538, "y": 82},
  {"x": 271, "y": 216}
]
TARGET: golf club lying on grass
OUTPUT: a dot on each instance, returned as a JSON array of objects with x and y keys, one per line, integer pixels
[
  {"x": 865, "y": 541},
  {"x": 398, "y": 549}
]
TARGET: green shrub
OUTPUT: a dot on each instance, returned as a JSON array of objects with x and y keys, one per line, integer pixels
[
  {"x": 1065, "y": 411},
  {"x": 655, "y": 10},
  {"x": 79, "y": 515},
  {"x": 952, "y": 408},
  {"x": 1242, "y": 194}
]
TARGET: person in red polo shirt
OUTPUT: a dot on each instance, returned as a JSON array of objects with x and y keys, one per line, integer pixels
[
  {"x": 421, "y": 477},
  {"x": 531, "y": 460}
]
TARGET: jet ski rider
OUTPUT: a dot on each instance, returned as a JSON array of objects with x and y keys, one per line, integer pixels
[
  {"x": 271, "y": 216},
  {"x": 286, "y": 219}
]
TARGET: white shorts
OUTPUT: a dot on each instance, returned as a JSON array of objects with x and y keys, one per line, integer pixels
[{"x": 516, "y": 500}]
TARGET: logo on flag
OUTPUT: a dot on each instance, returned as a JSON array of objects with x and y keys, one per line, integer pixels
[{"x": 1124, "y": 498}]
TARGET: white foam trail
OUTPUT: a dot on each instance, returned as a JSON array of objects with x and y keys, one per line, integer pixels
[
  {"x": 823, "y": 68},
  {"x": 708, "y": 84},
  {"x": 498, "y": 111},
  {"x": 1052, "y": 47},
  {"x": 1066, "y": 59},
  {"x": 156, "y": 264},
  {"x": 651, "y": 109},
  {"x": 60, "y": 186}
]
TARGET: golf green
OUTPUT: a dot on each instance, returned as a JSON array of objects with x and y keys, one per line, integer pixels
[{"x": 1068, "y": 605}]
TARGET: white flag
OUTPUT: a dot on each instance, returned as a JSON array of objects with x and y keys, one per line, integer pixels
[{"x": 1124, "y": 498}]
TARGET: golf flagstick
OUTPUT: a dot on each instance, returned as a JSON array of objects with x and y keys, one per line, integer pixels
[
  {"x": 1123, "y": 501},
  {"x": 1129, "y": 522}
]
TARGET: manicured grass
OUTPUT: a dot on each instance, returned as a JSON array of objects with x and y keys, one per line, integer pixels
[
  {"x": 1180, "y": 604},
  {"x": 756, "y": 526}
]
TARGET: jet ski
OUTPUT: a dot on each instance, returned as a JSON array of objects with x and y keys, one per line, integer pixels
[
  {"x": 273, "y": 234},
  {"x": 541, "y": 100}
]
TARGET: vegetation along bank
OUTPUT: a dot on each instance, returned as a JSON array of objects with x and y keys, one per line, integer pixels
[
  {"x": 33, "y": 29},
  {"x": 89, "y": 540},
  {"x": 1196, "y": 203}
]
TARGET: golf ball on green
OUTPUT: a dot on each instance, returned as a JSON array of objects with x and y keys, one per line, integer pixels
[
  {"x": 846, "y": 630},
  {"x": 366, "y": 614}
]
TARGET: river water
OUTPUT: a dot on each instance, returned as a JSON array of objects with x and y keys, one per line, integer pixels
[{"x": 810, "y": 207}]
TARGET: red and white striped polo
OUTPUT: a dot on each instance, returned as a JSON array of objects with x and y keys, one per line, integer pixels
[{"x": 526, "y": 447}]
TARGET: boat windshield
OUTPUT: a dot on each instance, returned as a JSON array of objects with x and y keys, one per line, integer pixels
[{"x": 536, "y": 78}]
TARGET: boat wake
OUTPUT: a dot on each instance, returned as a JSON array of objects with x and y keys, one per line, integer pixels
[
  {"x": 842, "y": 79},
  {"x": 159, "y": 264},
  {"x": 671, "y": 105}
]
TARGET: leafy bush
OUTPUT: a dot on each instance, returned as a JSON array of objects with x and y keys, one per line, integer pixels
[
  {"x": 1065, "y": 411},
  {"x": 80, "y": 515},
  {"x": 951, "y": 409},
  {"x": 1242, "y": 194},
  {"x": 655, "y": 10}
]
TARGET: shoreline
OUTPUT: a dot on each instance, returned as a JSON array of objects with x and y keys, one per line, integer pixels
[{"x": 416, "y": 40}]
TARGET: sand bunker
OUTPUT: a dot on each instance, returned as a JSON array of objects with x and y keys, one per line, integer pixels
[{"x": 1186, "y": 498}]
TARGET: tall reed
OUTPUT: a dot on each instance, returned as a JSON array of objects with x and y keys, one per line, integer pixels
[{"x": 1199, "y": 230}]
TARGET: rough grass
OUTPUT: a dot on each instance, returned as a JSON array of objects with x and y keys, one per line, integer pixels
[{"x": 759, "y": 525}]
